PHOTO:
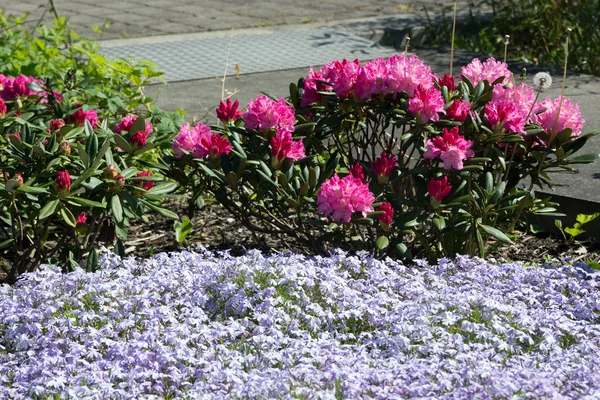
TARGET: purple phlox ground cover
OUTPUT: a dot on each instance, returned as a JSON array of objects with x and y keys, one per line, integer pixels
[{"x": 207, "y": 325}]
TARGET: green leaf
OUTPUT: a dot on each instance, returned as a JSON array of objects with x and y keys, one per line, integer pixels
[
  {"x": 68, "y": 216},
  {"x": 138, "y": 125},
  {"x": 81, "y": 201},
  {"x": 92, "y": 262},
  {"x": 583, "y": 159},
  {"x": 495, "y": 233},
  {"x": 83, "y": 155},
  {"x": 585, "y": 218},
  {"x": 439, "y": 223},
  {"x": 119, "y": 248},
  {"x": 6, "y": 243},
  {"x": 182, "y": 229},
  {"x": 117, "y": 208},
  {"x": 382, "y": 242},
  {"x": 32, "y": 189},
  {"x": 89, "y": 129},
  {"x": 91, "y": 145},
  {"x": 88, "y": 172},
  {"x": 574, "y": 231},
  {"x": 162, "y": 211},
  {"x": 122, "y": 143},
  {"x": 49, "y": 209},
  {"x": 163, "y": 187}
]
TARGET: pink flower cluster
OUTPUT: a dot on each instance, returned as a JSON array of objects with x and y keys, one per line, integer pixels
[
  {"x": 490, "y": 71},
  {"x": 200, "y": 142},
  {"x": 398, "y": 73},
  {"x": 78, "y": 117},
  {"x": 427, "y": 104},
  {"x": 283, "y": 146},
  {"x": 127, "y": 122},
  {"x": 15, "y": 87},
  {"x": 3, "y": 109},
  {"x": 554, "y": 122},
  {"x": 510, "y": 107},
  {"x": 138, "y": 138},
  {"x": 343, "y": 197},
  {"x": 264, "y": 113},
  {"x": 451, "y": 148}
]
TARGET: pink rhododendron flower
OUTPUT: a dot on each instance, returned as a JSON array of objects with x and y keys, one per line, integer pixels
[
  {"x": 406, "y": 74},
  {"x": 427, "y": 103},
  {"x": 505, "y": 114},
  {"x": 522, "y": 95},
  {"x": 342, "y": 76},
  {"x": 127, "y": 122},
  {"x": 451, "y": 148},
  {"x": 227, "y": 112},
  {"x": 569, "y": 117},
  {"x": 62, "y": 183},
  {"x": 383, "y": 167},
  {"x": 357, "y": 171},
  {"x": 343, "y": 197},
  {"x": 447, "y": 81},
  {"x": 372, "y": 78},
  {"x": 3, "y": 109},
  {"x": 282, "y": 146},
  {"x": 81, "y": 219},
  {"x": 458, "y": 110},
  {"x": 146, "y": 185},
  {"x": 264, "y": 113},
  {"x": 14, "y": 87},
  {"x": 489, "y": 71},
  {"x": 200, "y": 141},
  {"x": 313, "y": 83},
  {"x": 78, "y": 117},
  {"x": 213, "y": 145},
  {"x": 439, "y": 188},
  {"x": 388, "y": 215}
]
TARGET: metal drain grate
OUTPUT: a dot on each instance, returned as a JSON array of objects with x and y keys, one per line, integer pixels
[{"x": 189, "y": 59}]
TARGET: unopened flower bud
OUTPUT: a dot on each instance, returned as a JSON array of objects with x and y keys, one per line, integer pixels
[
  {"x": 65, "y": 148},
  {"x": 118, "y": 184},
  {"x": 62, "y": 183},
  {"x": 81, "y": 219},
  {"x": 110, "y": 172},
  {"x": 19, "y": 179}
]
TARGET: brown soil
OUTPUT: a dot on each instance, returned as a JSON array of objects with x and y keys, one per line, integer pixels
[{"x": 214, "y": 230}]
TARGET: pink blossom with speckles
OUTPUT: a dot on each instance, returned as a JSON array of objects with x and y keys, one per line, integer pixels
[
  {"x": 427, "y": 103},
  {"x": 264, "y": 113},
  {"x": 451, "y": 148},
  {"x": 343, "y": 197},
  {"x": 490, "y": 71}
]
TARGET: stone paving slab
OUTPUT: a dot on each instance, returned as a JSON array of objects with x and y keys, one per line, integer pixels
[
  {"x": 253, "y": 50},
  {"x": 141, "y": 18}
]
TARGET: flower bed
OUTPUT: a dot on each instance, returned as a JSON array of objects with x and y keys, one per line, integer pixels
[{"x": 189, "y": 325}]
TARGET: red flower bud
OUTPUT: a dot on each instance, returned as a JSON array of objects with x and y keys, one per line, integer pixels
[
  {"x": 56, "y": 124},
  {"x": 389, "y": 213},
  {"x": 139, "y": 138},
  {"x": 146, "y": 185},
  {"x": 81, "y": 219},
  {"x": 62, "y": 183}
]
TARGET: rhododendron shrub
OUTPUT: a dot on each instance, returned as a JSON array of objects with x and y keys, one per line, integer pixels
[
  {"x": 258, "y": 170},
  {"x": 68, "y": 181},
  {"x": 446, "y": 153}
]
